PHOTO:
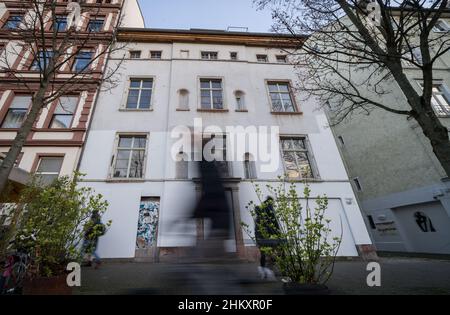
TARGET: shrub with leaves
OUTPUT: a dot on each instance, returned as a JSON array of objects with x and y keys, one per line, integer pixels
[
  {"x": 305, "y": 250},
  {"x": 52, "y": 227}
]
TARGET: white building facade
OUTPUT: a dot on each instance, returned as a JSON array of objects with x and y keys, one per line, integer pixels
[{"x": 172, "y": 79}]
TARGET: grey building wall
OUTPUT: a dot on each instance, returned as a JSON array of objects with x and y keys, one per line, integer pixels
[{"x": 399, "y": 174}]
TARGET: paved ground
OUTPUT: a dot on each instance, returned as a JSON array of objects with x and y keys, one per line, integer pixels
[{"x": 398, "y": 276}]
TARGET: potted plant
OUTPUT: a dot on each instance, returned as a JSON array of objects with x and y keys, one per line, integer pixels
[
  {"x": 305, "y": 251},
  {"x": 52, "y": 229}
]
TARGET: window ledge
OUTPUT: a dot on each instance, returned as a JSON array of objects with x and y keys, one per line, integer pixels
[
  {"x": 302, "y": 180},
  {"x": 242, "y": 110},
  {"x": 125, "y": 180},
  {"x": 286, "y": 113},
  {"x": 135, "y": 110},
  {"x": 212, "y": 110},
  {"x": 182, "y": 110}
]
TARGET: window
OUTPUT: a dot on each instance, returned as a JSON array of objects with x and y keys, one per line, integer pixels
[
  {"x": 156, "y": 54},
  {"x": 281, "y": 59},
  {"x": 249, "y": 167},
  {"x": 140, "y": 94},
  {"x": 82, "y": 61},
  {"x": 281, "y": 97},
  {"x": 441, "y": 27},
  {"x": 60, "y": 23},
  {"x": 63, "y": 115},
  {"x": 95, "y": 25},
  {"x": 42, "y": 61},
  {"x": 130, "y": 157},
  {"x": 13, "y": 22},
  {"x": 440, "y": 99},
  {"x": 17, "y": 112},
  {"x": 48, "y": 168},
  {"x": 262, "y": 58},
  {"x": 357, "y": 184},
  {"x": 135, "y": 54},
  {"x": 184, "y": 99},
  {"x": 240, "y": 100},
  {"x": 297, "y": 160},
  {"x": 413, "y": 54},
  {"x": 211, "y": 94},
  {"x": 210, "y": 55},
  {"x": 233, "y": 55}
]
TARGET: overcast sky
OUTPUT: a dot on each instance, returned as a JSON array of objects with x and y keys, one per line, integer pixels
[{"x": 211, "y": 14}]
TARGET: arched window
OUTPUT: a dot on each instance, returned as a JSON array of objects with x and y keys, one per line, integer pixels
[
  {"x": 249, "y": 166},
  {"x": 182, "y": 166},
  {"x": 183, "y": 95},
  {"x": 240, "y": 100}
]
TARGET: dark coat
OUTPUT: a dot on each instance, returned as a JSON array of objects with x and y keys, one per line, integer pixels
[
  {"x": 213, "y": 203},
  {"x": 266, "y": 223}
]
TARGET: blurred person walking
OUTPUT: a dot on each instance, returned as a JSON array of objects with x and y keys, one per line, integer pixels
[{"x": 93, "y": 230}]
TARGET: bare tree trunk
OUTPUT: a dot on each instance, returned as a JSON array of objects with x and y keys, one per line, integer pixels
[
  {"x": 438, "y": 136},
  {"x": 13, "y": 153}
]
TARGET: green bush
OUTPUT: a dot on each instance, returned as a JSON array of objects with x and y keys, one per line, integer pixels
[
  {"x": 52, "y": 226},
  {"x": 306, "y": 251}
]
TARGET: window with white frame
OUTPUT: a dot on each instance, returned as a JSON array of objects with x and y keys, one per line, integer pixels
[
  {"x": 13, "y": 22},
  {"x": 297, "y": 158},
  {"x": 42, "y": 60},
  {"x": 262, "y": 58},
  {"x": 210, "y": 55},
  {"x": 412, "y": 55},
  {"x": 211, "y": 93},
  {"x": 440, "y": 99},
  {"x": 155, "y": 54},
  {"x": 135, "y": 54},
  {"x": 48, "y": 168},
  {"x": 82, "y": 61},
  {"x": 64, "y": 112},
  {"x": 130, "y": 157},
  {"x": 140, "y": 93},
  {"x": 17, "y": 111},
  {"x": 281, "y": 97},
  {"x": 441, "y": 27},
  {"x": 233, "y": 55},
  {"x": 281, "y": 58},
  {"x": 96, "y": 25}
]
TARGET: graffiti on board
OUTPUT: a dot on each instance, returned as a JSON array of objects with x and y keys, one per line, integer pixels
[{"x": 148, "y": 223}]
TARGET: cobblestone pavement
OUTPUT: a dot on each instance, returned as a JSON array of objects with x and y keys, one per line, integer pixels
[{"x": 398, "y": 276}]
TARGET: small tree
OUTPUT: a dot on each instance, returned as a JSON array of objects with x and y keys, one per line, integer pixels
[
  {"x": 305, "y": 252},
  {"x": 52, "y": 227}
]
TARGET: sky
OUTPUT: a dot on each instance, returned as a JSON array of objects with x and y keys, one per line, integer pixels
[{"x": 210, "y": 14}]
